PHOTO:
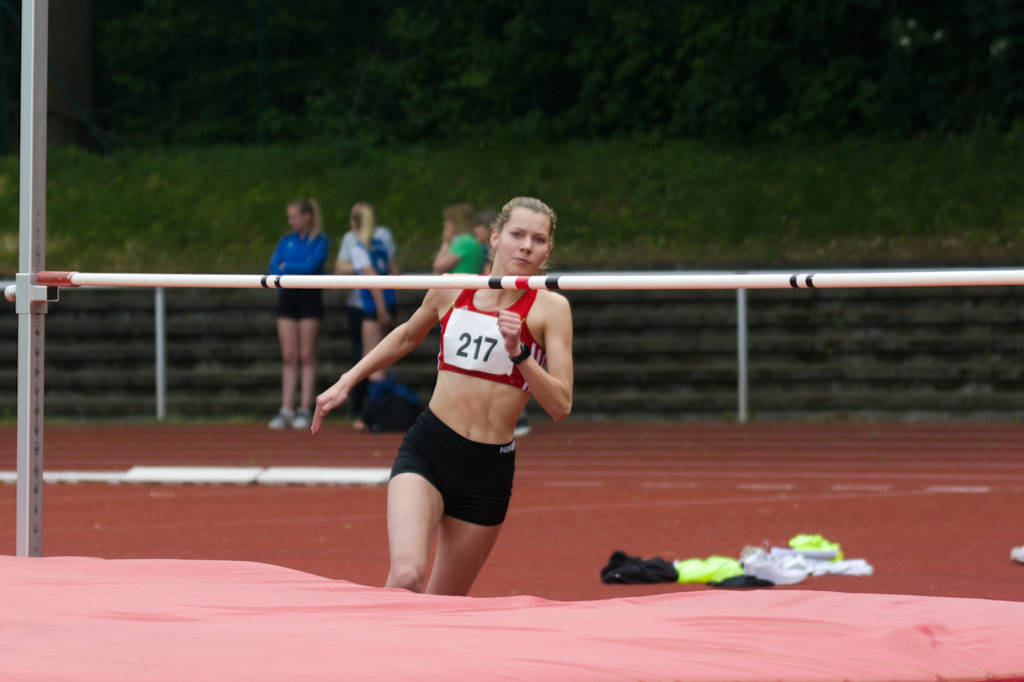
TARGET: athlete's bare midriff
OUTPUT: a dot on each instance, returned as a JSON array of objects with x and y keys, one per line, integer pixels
[{"x": 480, "y": 410}]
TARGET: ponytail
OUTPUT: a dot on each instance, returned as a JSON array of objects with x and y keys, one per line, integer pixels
[{"x": 366, "y": 222}]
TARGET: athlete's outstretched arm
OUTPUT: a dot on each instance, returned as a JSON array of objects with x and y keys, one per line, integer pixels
[
  {"x": 396, "y": 345},
  {"x": 552, "y": 388}
]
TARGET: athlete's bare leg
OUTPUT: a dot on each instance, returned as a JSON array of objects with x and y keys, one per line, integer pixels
[
  {"x": 288, "y": 334},
  {"x": 462, "y": 549},
  {"x": 414, "y": 512}
]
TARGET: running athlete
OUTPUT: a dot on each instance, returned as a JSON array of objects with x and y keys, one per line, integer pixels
[{"x": 453, "y": 474}]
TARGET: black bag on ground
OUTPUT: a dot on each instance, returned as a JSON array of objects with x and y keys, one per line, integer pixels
[
  {"x": 624, "y": 569},
  {"x": 390, "y": 406}
]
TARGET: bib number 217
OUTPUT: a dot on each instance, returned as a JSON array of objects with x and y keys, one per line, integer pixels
[{"x": 479, "y": 342}]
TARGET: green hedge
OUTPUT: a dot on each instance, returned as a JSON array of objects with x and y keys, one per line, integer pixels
[
  {"x": 626, "y": 202},
  {"x": 172, "y": 72}
]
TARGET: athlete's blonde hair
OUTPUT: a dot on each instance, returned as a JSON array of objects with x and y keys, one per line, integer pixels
[{"x": 531, "y": 203}]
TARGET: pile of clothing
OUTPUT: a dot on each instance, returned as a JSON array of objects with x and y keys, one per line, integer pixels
[{"x": 764, "y": 566}]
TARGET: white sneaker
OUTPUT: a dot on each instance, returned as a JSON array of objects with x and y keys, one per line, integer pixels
[
  {"x": 522, "y": 426},
  {"x": 283, "y": 419},
  {"x": 779, "y": 570},
  {"x": 1017, "y": 554},
  {"x": 302, "y": 419},
  {"x": 844, "y": 567}
]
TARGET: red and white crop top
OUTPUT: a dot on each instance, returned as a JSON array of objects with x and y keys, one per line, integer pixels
[{"x": 472, "y": 344}]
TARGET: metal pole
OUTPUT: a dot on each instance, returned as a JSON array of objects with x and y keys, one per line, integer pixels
[
  {"x": 3, "y": 92},
  {"x": 31, "y": 259},
  {"x": 160, "y": 330},
  {"x": 741, "y": 354},
  {"x": 262, "y": 67}
]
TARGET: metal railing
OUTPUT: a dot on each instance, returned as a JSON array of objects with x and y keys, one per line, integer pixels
[
  {"x": 822, "y": 279},
  {"x": 159, "y": 340},
  {"x": 160, "y": 349}
]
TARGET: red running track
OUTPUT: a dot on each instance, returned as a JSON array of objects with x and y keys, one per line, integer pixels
[{"x": 935, "y": 508}]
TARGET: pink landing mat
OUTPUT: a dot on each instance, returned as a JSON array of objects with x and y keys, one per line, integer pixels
[{"x": 93, "y": 619}]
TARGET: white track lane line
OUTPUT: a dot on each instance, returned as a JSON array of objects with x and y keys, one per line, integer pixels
[
  {"x": 574, "y": 484},
  {"x": 849, "y": 487},
  {"x": 667, "y": 462},
  {"x": 686, "y": 501},
  {"x": 670, "y": 484},
  {"x": 975, "y": 489},
  {"x": 648, "y": 472},
  {"x": 69, "y": 477},
  {"x": 764, "y": 486}
]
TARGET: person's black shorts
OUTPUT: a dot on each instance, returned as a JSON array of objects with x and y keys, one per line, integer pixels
[
  {"x": 474, "y": 479},
  {"x": 299, "y": 304}
]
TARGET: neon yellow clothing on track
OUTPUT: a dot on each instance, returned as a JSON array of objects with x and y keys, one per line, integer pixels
[
  {"x": 805, "y": 541},
  {"x": 705, "y": 570}
]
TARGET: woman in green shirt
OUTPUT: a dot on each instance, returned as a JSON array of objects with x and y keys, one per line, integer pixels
[{"x": 460, "y": 251}]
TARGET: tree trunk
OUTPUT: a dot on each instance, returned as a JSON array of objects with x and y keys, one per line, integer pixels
[{"x": 71, "y": 72}]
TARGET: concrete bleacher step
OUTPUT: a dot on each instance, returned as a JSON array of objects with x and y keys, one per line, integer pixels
[{"x": 882, "y": 352}]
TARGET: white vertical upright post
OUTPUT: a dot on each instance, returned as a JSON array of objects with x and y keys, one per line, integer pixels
[
  {"x": 741, "y": 354},
  {"x": 31, "y": 259},
  {"x": 160, "y": 331}
]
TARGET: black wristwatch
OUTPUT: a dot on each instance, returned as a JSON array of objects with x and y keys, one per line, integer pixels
[{"x": 525, "y": 353}]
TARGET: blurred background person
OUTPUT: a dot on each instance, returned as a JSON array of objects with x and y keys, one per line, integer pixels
[
  {"x": 482, "y": 222},
  {"x": 367, "y": 249},
  {"x": 460, "y": 250},
  {"x": 299, "y": 311},
  {"x": 354, "y": 303}
]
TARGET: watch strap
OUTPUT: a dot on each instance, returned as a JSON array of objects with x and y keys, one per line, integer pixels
[{"x": 524, "y": 353}]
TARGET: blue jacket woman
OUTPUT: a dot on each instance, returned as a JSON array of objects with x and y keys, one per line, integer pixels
[{"x": 299, "y": 311}]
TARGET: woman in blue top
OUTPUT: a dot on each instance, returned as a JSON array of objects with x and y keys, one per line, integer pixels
[
  {"x": 372, "y": 256},
  {"x": 383, "y": 242},
  {"x": 299, "y": 311}
]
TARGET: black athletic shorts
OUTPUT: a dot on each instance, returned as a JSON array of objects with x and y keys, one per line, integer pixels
[
  {"x": 474, "y": 479},
  {"x": 299, "y": 304}
]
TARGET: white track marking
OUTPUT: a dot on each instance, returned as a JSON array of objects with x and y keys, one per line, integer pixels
[
  {"x": 975, "y": 489},
  {"x": 325, "y": 475},
  {"x": 764, "y": 486},
  {"x": 689, "y": 501},
  {"x": 670, "y": 484},
  {"x": 845, "y": 487},
  {"x": 649, "y": 472},
  {"x": 574, "y": 484},
  {"x": 69, "y": 477},
  {"x": 774, "y": 468},
  {"x": 219, "y": 475}
]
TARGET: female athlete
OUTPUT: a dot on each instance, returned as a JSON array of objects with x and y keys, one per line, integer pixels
[{"x": 453, "y": 474}]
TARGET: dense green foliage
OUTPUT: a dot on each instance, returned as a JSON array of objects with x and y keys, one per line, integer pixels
[
  {"x": 175, "y": 72},
  {"x": 623, "y": 203}
]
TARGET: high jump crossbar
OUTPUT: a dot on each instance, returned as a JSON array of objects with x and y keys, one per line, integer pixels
[{"x": 566, "y": 282}]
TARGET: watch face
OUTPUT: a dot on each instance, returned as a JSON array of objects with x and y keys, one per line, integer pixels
[{"x": 524, "y": 353}]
